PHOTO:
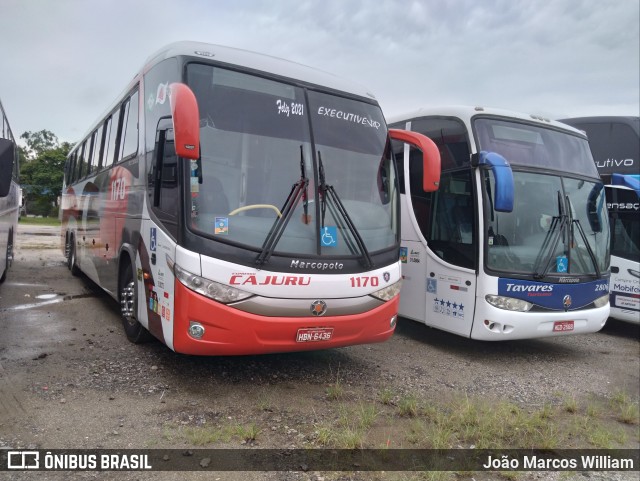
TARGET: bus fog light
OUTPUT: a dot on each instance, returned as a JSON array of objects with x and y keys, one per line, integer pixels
[
  {"x": 393, "y": 322},
  {"x": 196, "y": 330},
  {"x": 508, "y": 303},
  {"x": 601, "y": 301}
]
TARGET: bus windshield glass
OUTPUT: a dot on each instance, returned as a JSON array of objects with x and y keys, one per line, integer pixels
[
  {"x": 546, "y": 234},
  {"x": 625, "y": 223},
  {"x": 530, "y": 145},
  {"x": 256, "y": 148}
]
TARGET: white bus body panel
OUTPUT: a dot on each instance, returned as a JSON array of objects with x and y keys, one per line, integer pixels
[
  {"x": 156, "y": 295},
  {"x": 434, "y": 292},
  {"x": 625, "y": 290}
]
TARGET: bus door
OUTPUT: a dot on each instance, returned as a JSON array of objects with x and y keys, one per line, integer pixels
[
  {"x": 446, "y": 222},
  {"x": 157, "y": 247}
]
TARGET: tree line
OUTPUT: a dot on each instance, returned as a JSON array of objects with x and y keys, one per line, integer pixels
[{"x": 42, "y": 159}]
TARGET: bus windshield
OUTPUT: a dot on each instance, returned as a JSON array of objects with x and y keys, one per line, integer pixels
[
  {"x": 545, "y": 234},
  {"x": 257, "y": 145},
  {"x": 530, "y": 145},
  {"x": 625, "y": 223}
]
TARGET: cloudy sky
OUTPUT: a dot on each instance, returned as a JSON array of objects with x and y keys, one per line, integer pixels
[{"x": 64, "y": 61}]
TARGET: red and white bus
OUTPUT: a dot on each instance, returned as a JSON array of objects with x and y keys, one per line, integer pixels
[
  {"x": 237, "y": 203},
  {"x": 10, "y": 193}
]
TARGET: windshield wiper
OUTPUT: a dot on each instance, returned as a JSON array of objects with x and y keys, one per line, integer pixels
[
  {"x": 340, "y": 216},
  {"x": 298, "y": 190},
  {"x": 556, "y": 230},
  {"x": 573, "y": 221}
]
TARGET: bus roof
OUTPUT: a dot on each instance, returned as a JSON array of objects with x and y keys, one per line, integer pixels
[
  {"x": 467, "y": 112},
  {"x": 259, "y": 62}
]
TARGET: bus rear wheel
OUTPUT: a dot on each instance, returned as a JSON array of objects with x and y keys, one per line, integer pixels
[
  {"x": 135, "y": 331},
  {"x": 71, "y": 256}
]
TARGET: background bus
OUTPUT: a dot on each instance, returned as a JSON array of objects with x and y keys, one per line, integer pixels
[
  {"x": 9, "y": 193},
  {"x": 515, "y": 242},
  {"x": 615, "y": 145},
  {"x": 236, "y": 203}
]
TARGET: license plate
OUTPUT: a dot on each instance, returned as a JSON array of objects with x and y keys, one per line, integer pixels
[
  {"x": 562, "y": 326},
  {"x": 314, "y": 334}
]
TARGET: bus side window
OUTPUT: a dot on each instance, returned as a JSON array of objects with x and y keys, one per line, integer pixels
[
  {"x": 71, "y": 169},
  {"x": 164, "y": 187},
  {"x": 97, "y": 146},
  {"x": 89, "y": 153},
  {"x": 80, "y": 167},
  {"x": 110, "y": 140},
  {"x": 129, "y": 140}
]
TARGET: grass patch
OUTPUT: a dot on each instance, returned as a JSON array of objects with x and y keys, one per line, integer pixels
[
  {"x": 247, "y": 433},
  {"x": 50, "y": 221},
  {"x": 335, "y": 391},
  {"x": 408, "y": 406},
  {"x": 386, "y": 396},
  {"x": 204, "y": 435}
]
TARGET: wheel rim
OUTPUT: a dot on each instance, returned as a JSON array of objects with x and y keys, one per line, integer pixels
[{"x": 128, "y": 303}]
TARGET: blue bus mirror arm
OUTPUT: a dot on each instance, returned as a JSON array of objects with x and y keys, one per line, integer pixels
[{"x": 503, "y": 177}]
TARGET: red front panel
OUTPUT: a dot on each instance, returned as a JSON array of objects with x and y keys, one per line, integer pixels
[{"x": 229, "y": 331}]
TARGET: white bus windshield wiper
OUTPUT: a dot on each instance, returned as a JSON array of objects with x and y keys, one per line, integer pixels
[
  {"x": 298, "y": 191},
  {"x": 340, "y": 216},
  {"x": 556, "y": 229}
]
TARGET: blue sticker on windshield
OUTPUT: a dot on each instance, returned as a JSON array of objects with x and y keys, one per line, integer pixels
[
  {"x": 329, "y": 236},
  {"x": 561, "y": 264},
  {"x": 403, "y": 255},
  {"x": 222, "y": 225}
]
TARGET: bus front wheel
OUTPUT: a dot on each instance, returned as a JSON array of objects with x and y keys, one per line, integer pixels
[{"x": 135, "y": 331}]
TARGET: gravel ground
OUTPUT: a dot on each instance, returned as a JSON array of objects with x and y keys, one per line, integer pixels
[{"x": 69, "y": 378}]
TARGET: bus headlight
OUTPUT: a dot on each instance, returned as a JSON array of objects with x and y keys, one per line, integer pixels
[
  {"x": 389, "y": 292},
  {"x": 508, "y": 303},
  {"x": 601, "y": 301},
  {"x": 211, "y": 289}
]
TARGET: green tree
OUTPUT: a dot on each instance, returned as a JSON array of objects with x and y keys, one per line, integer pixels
[
  {"x": 42, "y": 174},
  {"x": 39, "y": 142}
]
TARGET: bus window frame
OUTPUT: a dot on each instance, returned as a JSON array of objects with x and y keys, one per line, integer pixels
[{"x": 123, "y": 123}]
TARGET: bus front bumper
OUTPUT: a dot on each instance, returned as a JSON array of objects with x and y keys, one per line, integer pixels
[
  {"x": 229, "y": 331},
  {"x": 493, "y": 324}
]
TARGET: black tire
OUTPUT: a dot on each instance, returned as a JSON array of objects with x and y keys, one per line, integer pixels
[
  {"x": 128, "y": 296},
  {"x": 8, "y": 257},
  {"x": 71, "y": 257}
]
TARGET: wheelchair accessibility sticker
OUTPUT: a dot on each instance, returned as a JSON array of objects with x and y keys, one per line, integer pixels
[{"x": 329, "y": 236}]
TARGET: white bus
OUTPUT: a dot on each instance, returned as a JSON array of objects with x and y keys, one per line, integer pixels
[
  {"x": 615, "y": 145},
  {"x": 9, "y": 193},
  {"x": 515, "y": 242},
  {"x": 237, "y": 203}
]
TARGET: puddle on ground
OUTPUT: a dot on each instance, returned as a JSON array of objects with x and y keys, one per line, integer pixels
[{"x": 48, "y": 299}]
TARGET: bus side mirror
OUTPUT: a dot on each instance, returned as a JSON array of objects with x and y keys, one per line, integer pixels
[
  {"x": 7, "y": 154},
  {"x": 186, "y": 121},
  {"x": 503, "y": 176},
  {"x": 430, "y": 156}
]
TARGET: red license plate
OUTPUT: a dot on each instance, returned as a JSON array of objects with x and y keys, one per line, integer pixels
[
  {"x": 562, "y": 326},
  {"x": 314, "y": 334}
]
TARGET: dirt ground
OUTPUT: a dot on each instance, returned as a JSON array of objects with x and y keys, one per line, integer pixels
[{"x": 70, "y": 379}]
